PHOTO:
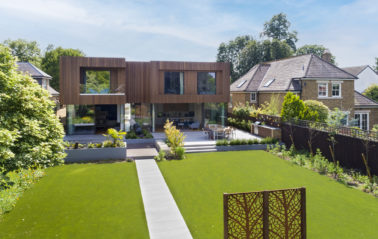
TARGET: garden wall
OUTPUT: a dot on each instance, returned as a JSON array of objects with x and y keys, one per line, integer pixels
[{"x": 348, "y": 149}]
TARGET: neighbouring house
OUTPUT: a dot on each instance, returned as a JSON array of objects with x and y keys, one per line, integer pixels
[
  {"x": 365, "y": 111},
  {"x": 309, "y": 76},
  {"x": 366, "y": 76},
  {"x": 103, "y": 93}
]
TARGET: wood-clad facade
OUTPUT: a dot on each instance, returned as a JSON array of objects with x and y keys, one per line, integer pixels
[{"x": 143, "y": 82}]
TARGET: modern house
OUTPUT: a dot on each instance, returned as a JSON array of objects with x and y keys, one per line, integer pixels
[
  {"x": 40, "y": 76},
  {"x": 309, "y": 76},
  {"x": 103, "y": 93},
  {"x": 365, "y": 74}
]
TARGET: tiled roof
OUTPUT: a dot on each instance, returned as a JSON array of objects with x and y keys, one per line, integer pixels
[
  {"x": 355, "y": 70},
  {"x": 52, "y": 91},
  {"x": 361, "y": 100},
  {"x": 284, "y": 74},
  {"x": 29, "y": 68}
]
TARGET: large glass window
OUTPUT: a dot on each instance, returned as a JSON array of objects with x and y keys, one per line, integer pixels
[
  {"x": 206, "y": 83},
  {"x": 81, "y": 119},
  {"x": 95, "y": 82},
  {"x": 174, "y": 83},
  {"x": 214, "y": 113}
]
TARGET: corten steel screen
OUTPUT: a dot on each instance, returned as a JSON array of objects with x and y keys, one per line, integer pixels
[{"x": 265, "y": 214}]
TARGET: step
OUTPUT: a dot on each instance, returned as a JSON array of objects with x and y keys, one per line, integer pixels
[
  {"x": 200, "y": 150},
  {"x": 200, "y": 147}
]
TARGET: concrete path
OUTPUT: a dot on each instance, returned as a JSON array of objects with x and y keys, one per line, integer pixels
[{"x": 164, "y": 219}]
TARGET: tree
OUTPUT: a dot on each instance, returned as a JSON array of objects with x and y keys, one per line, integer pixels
[
  {"x": 50, "y": 62},
  {"x": 317, "y": 50},
  {"x": 230, "y": 52},
  {"x": 278, "y": 28},
  {"x": 376, "y": 64},
  {"x": 372, "y": 92},
  {"x": 292, "y": 107},
  {"x": 27, "y": 51},
  {"x": 27, "y": 120}
]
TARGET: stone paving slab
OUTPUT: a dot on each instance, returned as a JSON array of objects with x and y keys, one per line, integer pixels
[
  {"x": 141, "y": 153},
  {"x": 164, "y": 219}
]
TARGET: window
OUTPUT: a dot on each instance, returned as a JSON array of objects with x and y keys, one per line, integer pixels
[
  {"x": 241, "y": 83},
  {"x": 269, "y": 82},
  {"x": 174, "y": 83},
  {"x": 362, "y": 120},
  {"x": 336, "y": 90},
  {"x": 322, "y": 90},
  {"x": 95, "y": 82},
  {"x": 253, "y": 97},
  {"x": 206, "y": 83},
  {"x": 44, "y": 84}
]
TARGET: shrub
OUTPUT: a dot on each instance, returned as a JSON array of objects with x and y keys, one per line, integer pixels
[
  {"x": 294, "y": 108},
  {"x": 174, "y": 136},
  {"x": 180, "y": 153},
  {"x": 318, "y": 107},
  {"x": 222, "y": 142},
  {"x": 116, "y": 137},
  {"x": 131, "y": 135},
  {"x": 160, "y": 156},
  {"x": 27, "y": 112},
  {"x": 108, "y": 144},
  {"x": 268, "y": 140}
]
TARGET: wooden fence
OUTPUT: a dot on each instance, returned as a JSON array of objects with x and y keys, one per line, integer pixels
[
  {"x": 265, "y": 214},
  {"x": 348, "y": 149}
]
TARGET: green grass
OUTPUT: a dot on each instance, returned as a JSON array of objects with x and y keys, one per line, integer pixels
[
  {"x": 80, "y": 201},
  {"x": 198, "y": 183}
]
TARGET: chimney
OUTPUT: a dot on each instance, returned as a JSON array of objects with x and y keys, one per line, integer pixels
[{"x": 327, "y": 56}]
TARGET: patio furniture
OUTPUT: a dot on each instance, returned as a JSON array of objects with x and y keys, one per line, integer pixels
[
  {"x": 207, "y": 133},
  {"x": 194, "y": 125}
]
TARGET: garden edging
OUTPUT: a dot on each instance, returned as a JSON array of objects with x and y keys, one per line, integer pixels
[{"x": 94, "y": 154}]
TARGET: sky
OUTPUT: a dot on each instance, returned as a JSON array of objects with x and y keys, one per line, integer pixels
[{"x": 189, "y": 30}]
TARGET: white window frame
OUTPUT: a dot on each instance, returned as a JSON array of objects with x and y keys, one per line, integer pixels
[
  {"x": 250, "y": 97},
  {"x": 326, "y": 91},
  {"x": 360, "y": 121},
  {"x": 339, "y": 84},
  {"x": 44, "y": 84}
]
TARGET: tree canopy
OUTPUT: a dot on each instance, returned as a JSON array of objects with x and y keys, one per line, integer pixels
[
  {"x": 278, "y": 28},
  {"x": 372, "y": 92},
  {"x": 50, "y": 62},
  {"x": 317, "y": 50},
  {"x": 27, "y": 51},
  {"x": 30, "y": 132}
]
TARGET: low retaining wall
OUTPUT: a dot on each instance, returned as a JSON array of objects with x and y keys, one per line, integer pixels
[
  {"x": 140, "y": 141},
  {"x": 243, "y": 147},
  {"x": 266, "y": 131},
  {"x": 95, "y": 154}
]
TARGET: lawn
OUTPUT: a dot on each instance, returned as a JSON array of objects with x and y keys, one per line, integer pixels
[
  {"x": 80, "y": 201},
  {"x": 198, "y": 182}
]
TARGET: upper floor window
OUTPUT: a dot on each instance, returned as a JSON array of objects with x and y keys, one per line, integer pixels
[
  {"x": 174, "y": 83},
  {"x": 44, "y": 84},
  {"x": 206, "y": 83},
  {"x": 336, "y": 90},
  {"x": 253, "y": 97},
  {"x": 95, "y": 82},
  {"x": 322, "y": 89}
]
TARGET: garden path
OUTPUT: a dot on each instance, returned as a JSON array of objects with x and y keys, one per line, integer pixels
[{"x": 164, "y": 219}]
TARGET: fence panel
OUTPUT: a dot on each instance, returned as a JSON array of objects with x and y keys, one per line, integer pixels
[{"x": 265, "y": 214}]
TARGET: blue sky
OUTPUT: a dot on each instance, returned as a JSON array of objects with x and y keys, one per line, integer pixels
[{"x": 189, "y": 30}]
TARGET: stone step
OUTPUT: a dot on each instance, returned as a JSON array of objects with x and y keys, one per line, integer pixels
[{"x": 200, "y": 150}]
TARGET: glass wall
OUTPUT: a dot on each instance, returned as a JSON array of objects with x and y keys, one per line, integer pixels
[
  {"x": 174, "y": 83},
  {"x": 81, "y": 119},
  {"x": 140, "y": 116},
  {"x": 206, "y": 83},
  {"x": 95, "y": 82},
  {"x": 214, "y": 113}
]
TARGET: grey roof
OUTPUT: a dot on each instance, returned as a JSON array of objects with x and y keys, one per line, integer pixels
[
  {"x": 32, "y": 70},
  {"x": 361, "y": 100},
  {"x": 355, "y": 70},
  {"x": 287, "y": 73},
  {"x": 52, "y": 91}
]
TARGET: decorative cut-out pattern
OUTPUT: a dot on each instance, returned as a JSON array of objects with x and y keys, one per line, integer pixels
[{"x": 277, "y": 214}]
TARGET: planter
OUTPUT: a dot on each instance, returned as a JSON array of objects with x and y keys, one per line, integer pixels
[
  {"x": 266, "y": 131},
  {"x": 243, "y": 147},
  {"x": 95, "y": 154},
  {"x": 140, "y": 141}
]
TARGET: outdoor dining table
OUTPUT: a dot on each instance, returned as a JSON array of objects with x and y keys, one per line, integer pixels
[{"x": 215, "y": 132}]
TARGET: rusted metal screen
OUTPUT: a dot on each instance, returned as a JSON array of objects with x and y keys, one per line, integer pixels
[{"x": 265, "y": 214}]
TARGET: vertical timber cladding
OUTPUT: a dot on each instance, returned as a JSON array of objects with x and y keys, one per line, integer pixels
[
  {"x": 190, "y": 69},
  {"x": 70, "y": 79},
  {"x": 265, "y": 214}
]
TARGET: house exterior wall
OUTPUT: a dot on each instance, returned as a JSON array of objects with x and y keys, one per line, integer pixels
[
  {"x": 344, "y": 103},
  {"x": 373, "y": 115},
  {"x": 365, "y": 79},
  {"x": 265, "y": 97}
]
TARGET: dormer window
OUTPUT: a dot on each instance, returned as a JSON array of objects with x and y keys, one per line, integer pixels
[{"x": 44, "y": 84}]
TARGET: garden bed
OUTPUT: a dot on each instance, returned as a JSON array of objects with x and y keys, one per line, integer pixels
[{"x": 95, "y": 154}]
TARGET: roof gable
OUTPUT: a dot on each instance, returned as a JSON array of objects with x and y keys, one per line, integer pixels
[
  {"x": 355, "y": 70},
  {"x": 319, "y": 68},
  {"x": 32, "y": 70},
  {"x": 361, "y": 100}
]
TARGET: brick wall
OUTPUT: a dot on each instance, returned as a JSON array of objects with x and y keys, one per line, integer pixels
[
  {"x": 345, "y": 103},
  {"x": 373, "y": 115}
]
